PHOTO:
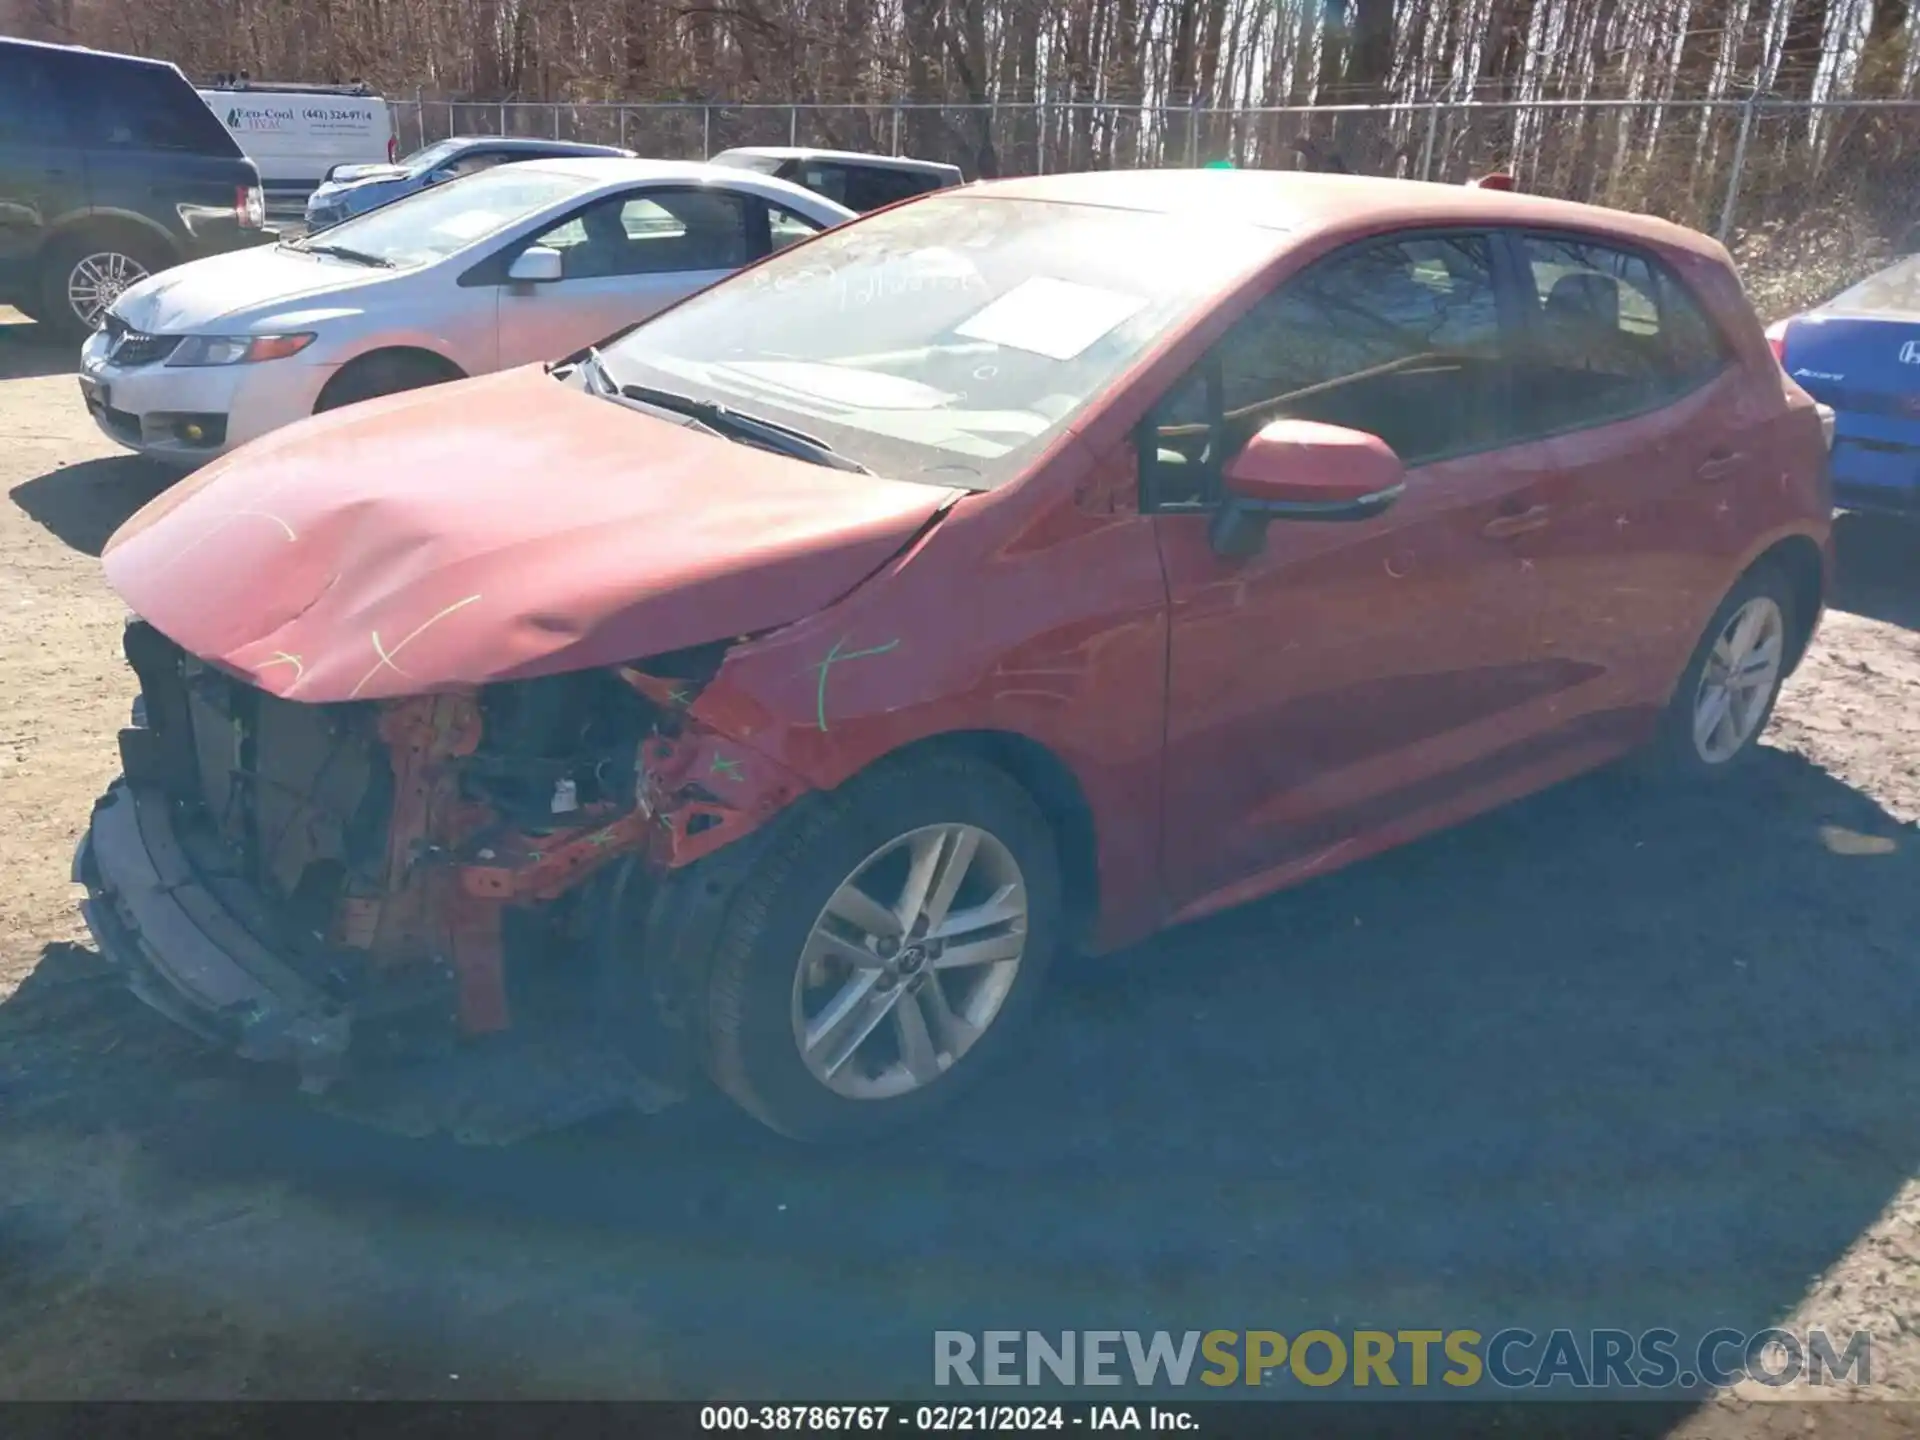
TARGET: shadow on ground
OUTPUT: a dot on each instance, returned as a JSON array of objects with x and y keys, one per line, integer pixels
[
  {"x": 28, "y": 350},
  {"x": 1877, "y": 568},
  {"x": 84, "y": 503},
  {"x": 1605, "y": 1058}
]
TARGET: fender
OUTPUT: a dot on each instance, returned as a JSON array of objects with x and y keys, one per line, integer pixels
[{"x": 947, "y": 639}]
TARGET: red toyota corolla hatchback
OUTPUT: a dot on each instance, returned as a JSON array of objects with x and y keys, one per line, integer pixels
[{"x": 776, "y": 690}]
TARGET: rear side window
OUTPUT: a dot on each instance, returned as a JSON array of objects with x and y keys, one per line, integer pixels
[
  {"x": 1614, "y": 335},
  {"x": 860, "y": 187},
  {"x": 143, "y": 107},
  {"x": 870, "y": 189},
  {"x": 30, "y": 109}
]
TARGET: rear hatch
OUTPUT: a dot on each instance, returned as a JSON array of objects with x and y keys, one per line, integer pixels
[{"x": 1867, "y": 367}]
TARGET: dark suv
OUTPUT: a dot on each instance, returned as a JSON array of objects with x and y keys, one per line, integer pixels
[{"x": 111, "y": 168}]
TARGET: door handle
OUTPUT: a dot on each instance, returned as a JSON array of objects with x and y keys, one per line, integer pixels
[
  {"x": 1719, "y": 465},
  {"x": 1505, "y": 527}
]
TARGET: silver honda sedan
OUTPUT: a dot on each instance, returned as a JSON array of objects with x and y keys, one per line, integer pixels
[{"x": 516, "y": 264}]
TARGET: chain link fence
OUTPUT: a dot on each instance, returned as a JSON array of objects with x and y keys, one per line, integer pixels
[{"x": 1840, "y": 177}]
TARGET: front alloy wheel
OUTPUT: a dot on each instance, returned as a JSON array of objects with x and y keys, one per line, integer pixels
[
  {"x": 910, "y": 961},
  {"x": 884, "y": 942}
]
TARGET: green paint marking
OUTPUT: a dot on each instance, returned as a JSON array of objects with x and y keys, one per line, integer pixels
[
  {"x": 833, "y": 657},
  {"x": 679, "y": 697},
  {"x": 602, "y": 837},
  {"x": 728, "y": 768},
  {"x": 536, "y": 856}
]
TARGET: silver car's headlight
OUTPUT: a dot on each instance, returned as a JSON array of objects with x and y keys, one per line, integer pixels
[{"x": 237, "y": 349}]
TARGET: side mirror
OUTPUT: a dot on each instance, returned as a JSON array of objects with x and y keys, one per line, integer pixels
[
  {"x": 1303, "y": 470},
  {"x": 439, "y": 177},
  {"x": 535, "y": 265}
]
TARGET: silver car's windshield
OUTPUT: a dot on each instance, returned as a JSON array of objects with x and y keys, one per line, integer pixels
[
  {"x": 424, "y": 228},
  {"x": 947, "y": 340},
  {"x": 421, "y": 161}
]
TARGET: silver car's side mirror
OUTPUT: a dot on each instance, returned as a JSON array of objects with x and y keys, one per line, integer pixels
[{"x": 535, "y": 265}]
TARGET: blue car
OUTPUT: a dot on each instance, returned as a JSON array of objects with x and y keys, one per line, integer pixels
[
  {"x": 1860, "y": 354},
  {"x": 350, "y": 190}
]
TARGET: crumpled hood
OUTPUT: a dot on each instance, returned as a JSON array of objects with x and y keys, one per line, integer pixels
[
  {"x": 489, "y": 530},
  {"x": 197, "y": 295}
]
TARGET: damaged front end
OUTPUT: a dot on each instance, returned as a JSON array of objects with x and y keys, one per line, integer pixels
[{"x": 344, "y": 885}]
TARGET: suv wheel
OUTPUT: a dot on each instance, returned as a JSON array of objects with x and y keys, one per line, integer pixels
[{"x": 82, "y": 277}]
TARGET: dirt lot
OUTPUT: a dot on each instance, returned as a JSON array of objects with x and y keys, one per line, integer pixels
[{"x": 1603, "y": 1059}]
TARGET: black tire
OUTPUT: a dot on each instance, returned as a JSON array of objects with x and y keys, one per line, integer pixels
[
  {"x": 752, "y": 1051},
  {"x": 382, "y": 373},
  {"x": 130, "y": 257},
  {"x": 1676, "y": 754}
]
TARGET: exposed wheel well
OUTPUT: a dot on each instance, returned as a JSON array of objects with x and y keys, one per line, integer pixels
[
  {"x": 1798, "y": 558},
  {"x": 406, "y": 355},
  {"x": 1045, "y": 776}
]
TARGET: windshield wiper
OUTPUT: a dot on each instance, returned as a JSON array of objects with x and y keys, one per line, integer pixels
[
  {"x": 345, "y": 252},
  {"x": 740, "y": 426}
]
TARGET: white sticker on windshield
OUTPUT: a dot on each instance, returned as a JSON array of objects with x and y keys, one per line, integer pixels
[{"x": 1055, "y": 318}]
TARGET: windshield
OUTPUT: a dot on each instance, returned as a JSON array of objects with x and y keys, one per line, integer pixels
[
  {"x": 948, "y": 340},
  {"x": 1895, "y": 289},
  {"x": 428, "y": 227},
  {"x": 421, "y": 161}
]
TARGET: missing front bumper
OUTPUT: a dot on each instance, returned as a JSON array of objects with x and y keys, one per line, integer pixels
[{"x": 186, "y": 956}]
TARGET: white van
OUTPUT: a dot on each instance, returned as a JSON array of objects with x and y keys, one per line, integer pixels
[{"x": 297, "y": 133}]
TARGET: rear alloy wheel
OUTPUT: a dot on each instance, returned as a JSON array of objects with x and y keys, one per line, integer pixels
[
  {"x": 883, "y": 948},
  {"x": 1725, "y": 698},
  {"x": 1739, "y": 680}
]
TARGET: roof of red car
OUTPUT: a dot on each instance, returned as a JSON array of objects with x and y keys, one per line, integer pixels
[{"x": 1301, "y": 200}]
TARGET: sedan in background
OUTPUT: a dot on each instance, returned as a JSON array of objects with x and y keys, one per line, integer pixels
[
  {"x": 857, "y": 180},
  {"x": 350, "y": 190},
  {"x": 516, "y": 264},
  {"x": 1859, "y": 354}
]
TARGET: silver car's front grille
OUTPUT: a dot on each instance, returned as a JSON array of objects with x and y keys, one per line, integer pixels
[{"x": 128, "y": 347}]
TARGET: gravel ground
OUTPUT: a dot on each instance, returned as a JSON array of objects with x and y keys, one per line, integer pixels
[{"x": 1604, "y": 1058}]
